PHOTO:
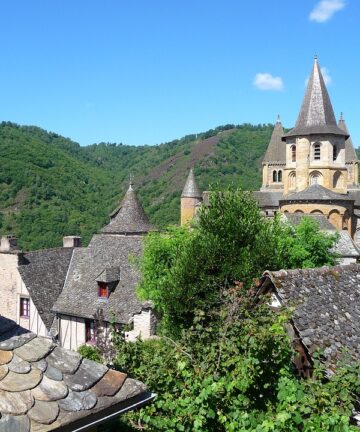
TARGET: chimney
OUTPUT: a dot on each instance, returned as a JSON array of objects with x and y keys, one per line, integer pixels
[
  {"x": 71, "y": 241},
  {"x": 8, "y": 243}
]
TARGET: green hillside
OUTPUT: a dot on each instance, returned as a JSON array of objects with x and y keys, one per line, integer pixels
[{"x": 51, "y": 187}]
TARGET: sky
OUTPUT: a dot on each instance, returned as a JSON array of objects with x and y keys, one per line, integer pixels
[{"x": 150, "y": 71}]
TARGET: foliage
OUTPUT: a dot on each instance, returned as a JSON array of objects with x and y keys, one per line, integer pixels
[
  {"x": 234, "y": 373},
  {"x": 51, "y": 187},
  {"x": 184, "y": 270},
  {"x": 90, "y": 352}
]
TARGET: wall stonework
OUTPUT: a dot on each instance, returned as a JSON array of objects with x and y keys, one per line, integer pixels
[
  {"x": 189, "y": 207},
  {"x": 9, "y": 282}
]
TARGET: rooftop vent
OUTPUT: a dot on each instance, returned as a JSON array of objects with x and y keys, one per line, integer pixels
[{"x": 71, "y": 241}]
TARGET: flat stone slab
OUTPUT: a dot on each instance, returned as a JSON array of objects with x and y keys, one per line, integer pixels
[
  {"x": 5, "y": 357},
  {"x": 130, "y": 389},
  {"x": 9, "y": 423},
  {"x": 53, "y": 373},
  {"x": 77, "y": 401},
  {"x": 41, "y": 364},
  {"x": 35, "y": 350},
  {"x": 44, "y": 412},
  {"x": 109, "y": 384},
  {"x": 15, "y": 403},
  {"x": 4, "y": 369},
  {"x": 64, "y": 360},
  {"x": 19, "y": 365},
  {"x": 50, "y": 390},
  {"x": 15, "y": 382},
  {"x": 86, "y": 376},
  {"x": 16, "y": 341}
]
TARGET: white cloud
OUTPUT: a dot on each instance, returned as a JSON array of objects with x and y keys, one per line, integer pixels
[
  {"x": 324, "y": 10},
  {"x": 325, "y": 74},
  {"x": 265, "y": 81}
]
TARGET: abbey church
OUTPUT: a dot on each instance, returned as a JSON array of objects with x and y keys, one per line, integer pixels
[{"x": 311, "y": 169}]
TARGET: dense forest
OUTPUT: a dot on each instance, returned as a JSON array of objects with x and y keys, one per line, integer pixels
[{"x": 51, "y": 186}]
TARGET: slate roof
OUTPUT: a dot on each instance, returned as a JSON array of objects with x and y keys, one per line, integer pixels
[
  {"x": 324, "y": 224},
  {"x": 327, "y": 306},
  {"x": 276, "y": 150},
  {"x": 80, "y": 294},
  {"x": 316, "y": 114},
  {"x": 129, "y": 217},
  {"x": 44, "y": 387},
  {"x": 318, "y": 193},
  {"x": 191, "y": 189},
  {"x": 268, "y": 198},
  {"x": 44, "y": 273},
  {"x": 350, "y": 153}
]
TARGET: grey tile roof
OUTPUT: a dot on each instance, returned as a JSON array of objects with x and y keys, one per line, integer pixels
[
  {"x": 350, "y": 153},
  {"x": 129, "y": 217},
  {"x": 276, "y": 150},
  {"x": 327, "y": 306},
  {"x": 44, "y": 387},
  {"x": 44, "y": 273},
  {"x": 191, "y": 189},
  {"x": 316, "y": 192},
  {"x": 324, "y": 224},
  {"x": 316, "y": 114},
  {"x": 268, "y": 199},
  {"x": 80, "y": 294},
  {"x": 355, "y": 195}
]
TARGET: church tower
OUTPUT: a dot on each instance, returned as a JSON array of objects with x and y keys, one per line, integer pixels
[
  {"x": 351, "y": 160},
  {"x": 191, "y": 198},
  {"x": 315, "y": 147}
]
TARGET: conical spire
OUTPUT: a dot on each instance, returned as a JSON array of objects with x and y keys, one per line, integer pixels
[
  {"x": 129, "y": 217},
  {"x": 316, "y": 114},
  {"x": 350, "y": 154},
  {"x": 191, "y": 189},
  {"x": 276, "y": 151}
]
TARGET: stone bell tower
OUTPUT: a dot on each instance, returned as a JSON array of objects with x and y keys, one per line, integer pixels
[{"x": 191, "y": 199}]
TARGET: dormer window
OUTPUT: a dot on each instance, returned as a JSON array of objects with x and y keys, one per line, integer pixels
[{"x": 103, "y": 290}]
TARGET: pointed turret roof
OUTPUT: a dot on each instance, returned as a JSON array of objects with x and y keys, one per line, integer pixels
[
  {"x": 316, "y": 114},
  {"x": 191, "y": 189},
  {"x": 350, "y": 154},
  {"x": 129, "y": 217},
  {"x": 276, "y": 151}
]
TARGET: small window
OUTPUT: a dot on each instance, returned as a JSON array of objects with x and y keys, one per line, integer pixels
[
  {"x": 24, "y": 307},
  {"x": 90, "y": 333},
  {"x": 275, "y": 177},
  {"x": 335, "y": 152},
  {"x": 317, "y": 152},
  {"x": 279, "y": 176},
  {"x": 103, "y": 290},
  {"x": 293, "y": 153}
]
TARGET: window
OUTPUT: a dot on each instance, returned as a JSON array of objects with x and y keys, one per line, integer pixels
[
  {"x": 274, "y": 176},
  {"x": 103, "y": 290},
  {"x": 317, "y": 152},
  {"x": 293, "y": 153},
  {"x": 334, "y": 152},
  {"x": 90, "y": 333},
  {"x": 279, "y": 176},
  {"x": 24, "y": 307}
]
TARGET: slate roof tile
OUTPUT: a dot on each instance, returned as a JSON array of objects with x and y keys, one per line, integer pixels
[{"x": 34, "y": 402}]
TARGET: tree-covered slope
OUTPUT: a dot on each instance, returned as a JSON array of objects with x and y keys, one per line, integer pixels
[{"x": 51, "y": 186}]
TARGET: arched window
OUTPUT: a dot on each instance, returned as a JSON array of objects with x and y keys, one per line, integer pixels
[
  {"x": 317, "y": 151},
  {"x": 338, "y": 180},
  {"x": 274, "y": 176},
  {"x": 335, "y": 152},
  {"x": 292, "y": 180},
  {"x": 315, "y": 178},
  {"x": 279, "y": 176},
  {"x": 293, "y": 153}
]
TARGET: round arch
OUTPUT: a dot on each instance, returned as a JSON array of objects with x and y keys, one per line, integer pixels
[
  {"x": 338, "y": 180},
  {"x": 335, "y": 219},
  {"x": 316, "y": 212},
  {"x": 316, "y": 178}
]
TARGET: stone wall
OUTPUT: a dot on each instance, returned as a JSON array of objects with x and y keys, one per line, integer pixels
[
  {"x": 144, "y": 326},
  {"x": 9, "y": 282}
]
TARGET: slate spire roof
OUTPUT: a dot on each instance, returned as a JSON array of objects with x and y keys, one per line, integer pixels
[
  {"x": 316, "y": 114},
  {"x": 191, "y": 189},
  {"x": 129, "y": 217},
  {"x": 350, "y": 154},
  {"x": 276, "y": 148}
]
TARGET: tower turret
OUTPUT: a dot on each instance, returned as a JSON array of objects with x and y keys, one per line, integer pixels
[{"x": 191, "y": 199}]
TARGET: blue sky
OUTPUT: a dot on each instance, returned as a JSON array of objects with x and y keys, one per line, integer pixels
[{"x": 145, "y": 72}]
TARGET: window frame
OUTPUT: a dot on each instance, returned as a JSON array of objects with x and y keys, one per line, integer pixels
[
  {"x": 90, "y": 332},
  {"x": 24, "y": 310},
  {"x": 317, "y": 151},
  {"x": 103, "y": 290},
  {"x": 293, "y": 153}
]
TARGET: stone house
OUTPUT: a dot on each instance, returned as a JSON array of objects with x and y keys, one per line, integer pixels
[
  {"x": 326, "y": 311},
  {"x": 44, "y": 387},
  {"x": 61, "y": 292}
]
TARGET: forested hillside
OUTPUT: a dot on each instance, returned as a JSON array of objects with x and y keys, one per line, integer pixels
[{"x": 50, "y": 186}]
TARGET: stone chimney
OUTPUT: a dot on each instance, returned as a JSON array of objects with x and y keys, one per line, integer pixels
[
  {"x": 8, "y": 243},
  {"x": 71, "y": 241}
]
